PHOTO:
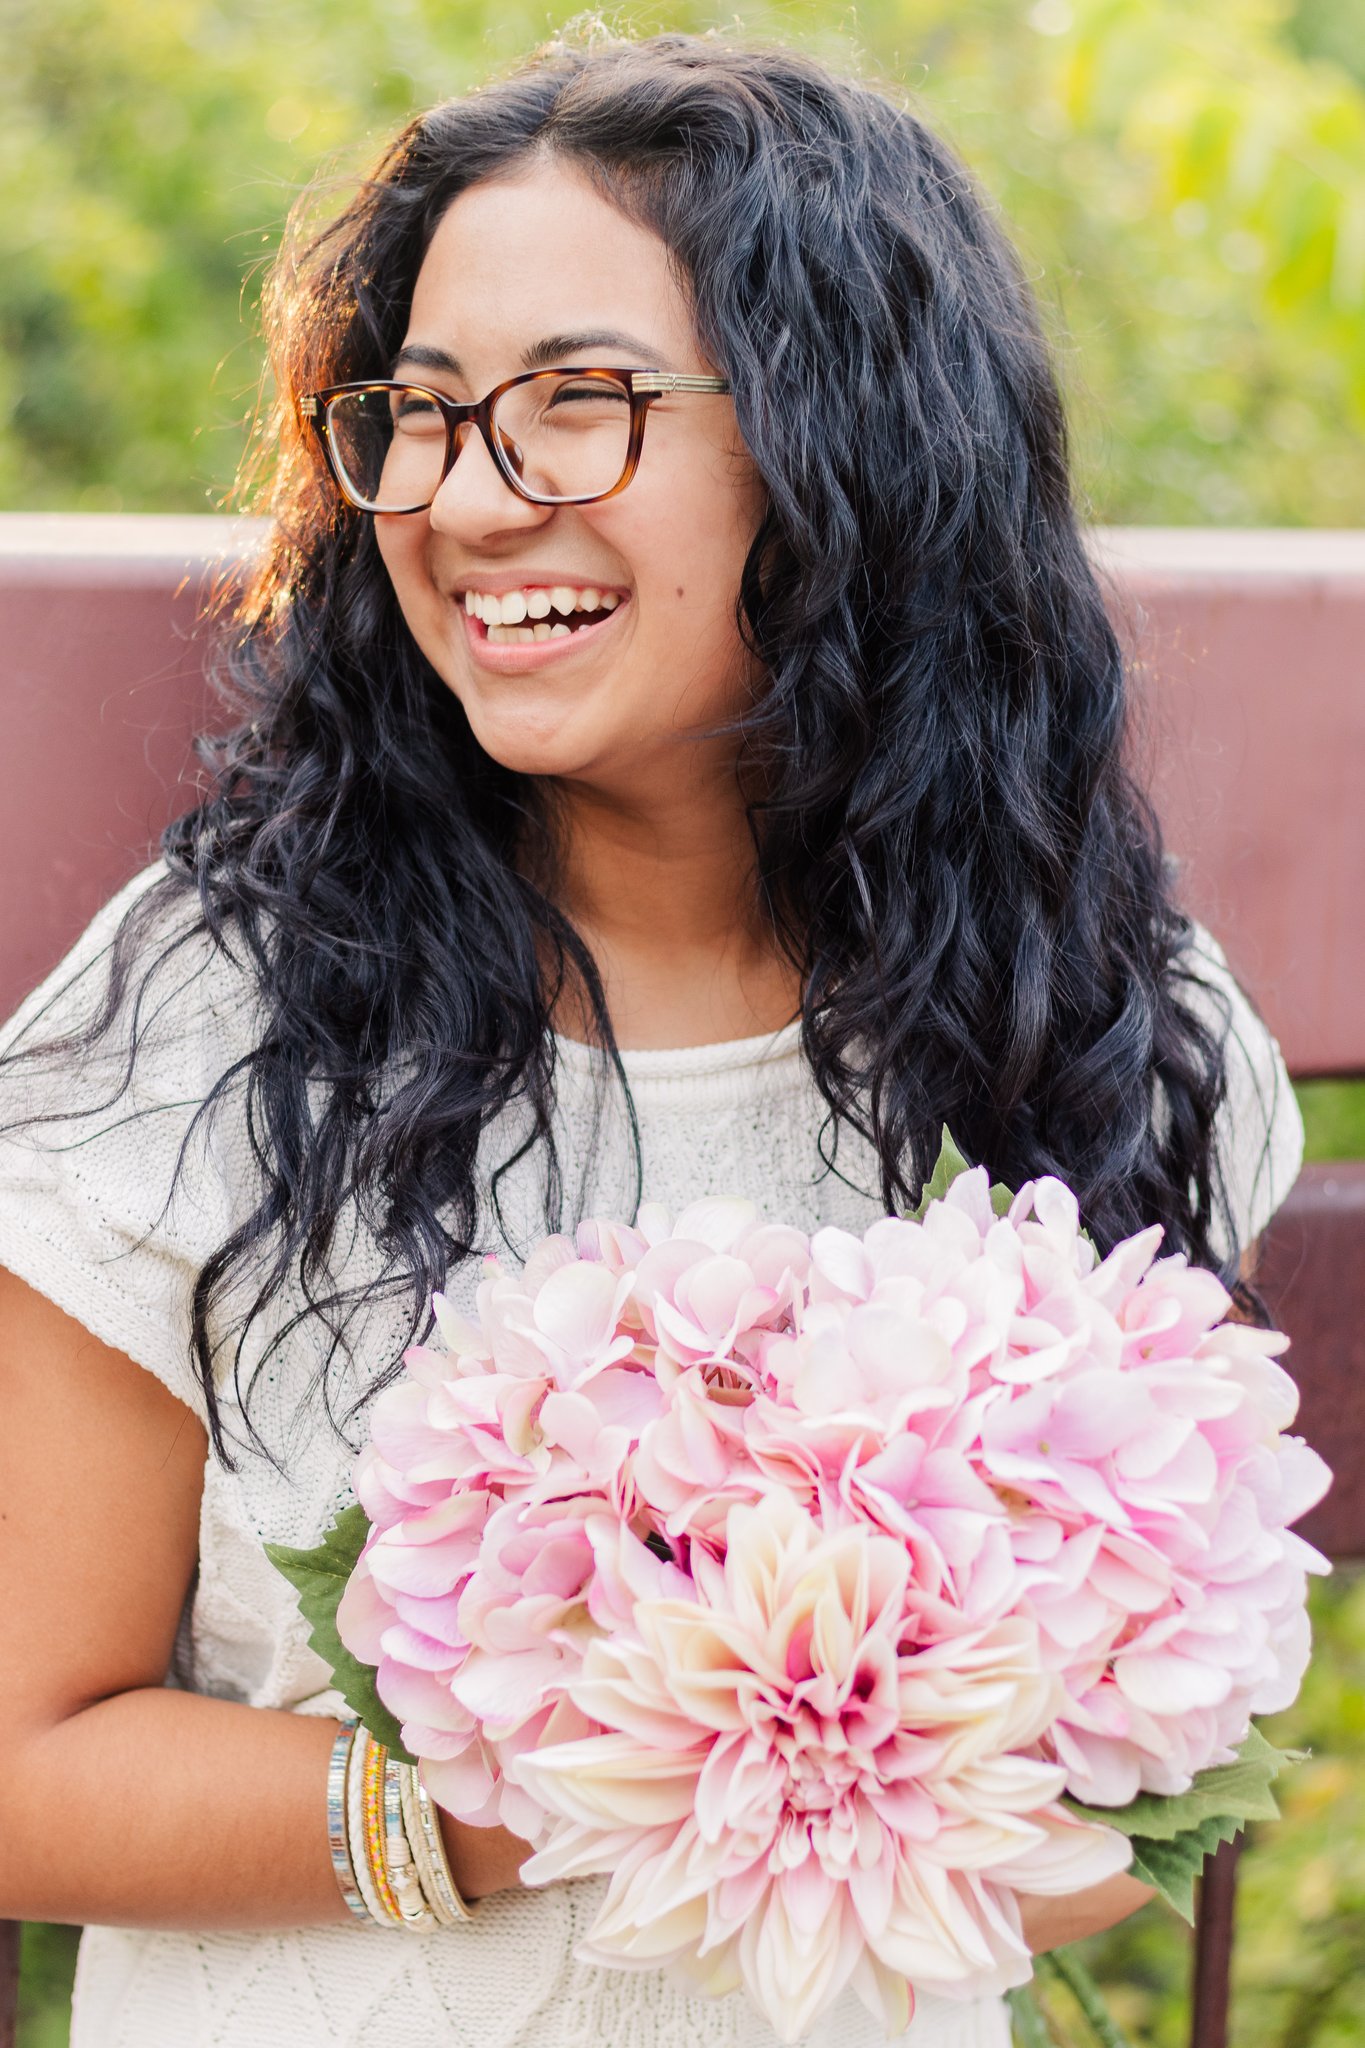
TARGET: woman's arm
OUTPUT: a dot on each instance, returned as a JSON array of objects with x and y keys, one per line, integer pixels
[{"x": 123, "y": 1802}]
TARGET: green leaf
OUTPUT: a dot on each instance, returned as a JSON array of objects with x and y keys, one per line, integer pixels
[
  {"x": 1241, "y": 1789},
  {"x": 319, "y": 1578},
  {"x": 1174, "y": 1865},
  {"x": 1171, "y": 1837},
  {"x": 949, "y": 1164}
]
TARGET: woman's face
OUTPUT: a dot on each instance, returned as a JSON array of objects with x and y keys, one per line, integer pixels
[{"x": 533, "y": 272}]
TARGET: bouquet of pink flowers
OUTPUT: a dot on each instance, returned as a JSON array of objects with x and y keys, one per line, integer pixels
[{"x": 831, "y": 1593}]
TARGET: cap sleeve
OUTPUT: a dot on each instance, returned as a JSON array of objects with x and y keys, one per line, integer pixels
[
  {"x": 1259, "y": 1129},
  {"x": 93, "y": 1213}
]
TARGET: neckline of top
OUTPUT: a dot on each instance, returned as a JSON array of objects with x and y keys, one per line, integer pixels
[{"x": 684, "y": 1062}]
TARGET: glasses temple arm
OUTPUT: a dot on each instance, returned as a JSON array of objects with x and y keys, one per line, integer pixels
[{"x": 659, "y": 383}]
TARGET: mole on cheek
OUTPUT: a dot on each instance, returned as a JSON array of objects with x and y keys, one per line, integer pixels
[{"x": 680, "y": 590}]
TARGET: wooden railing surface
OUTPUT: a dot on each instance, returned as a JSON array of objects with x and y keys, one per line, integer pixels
[{"x": 1248, "y": 651}]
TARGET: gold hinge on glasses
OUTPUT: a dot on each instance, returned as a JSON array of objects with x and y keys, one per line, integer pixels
[
  {"x": 309, "y": 408},
  {"x": 665, "y": 381}
]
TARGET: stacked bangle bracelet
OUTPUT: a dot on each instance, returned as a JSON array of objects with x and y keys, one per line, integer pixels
[
  {"x": 385, "y": 1840},
  {"x": 338, "y": 1833},
  {"x": 424, "y": 1833}
]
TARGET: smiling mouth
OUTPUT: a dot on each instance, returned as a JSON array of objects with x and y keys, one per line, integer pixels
[
  {"x": 522, "y": 618},
  {"x": 524, "y": 645}
]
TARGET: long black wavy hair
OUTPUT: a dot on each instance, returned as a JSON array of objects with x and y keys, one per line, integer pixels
[{"x": 948, "y": 842}]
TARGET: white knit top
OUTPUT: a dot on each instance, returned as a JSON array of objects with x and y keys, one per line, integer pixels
[{"x": 85, "y": 1218}]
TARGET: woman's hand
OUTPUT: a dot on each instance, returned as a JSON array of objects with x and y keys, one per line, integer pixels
[{"x": 1051, "y": 1923}]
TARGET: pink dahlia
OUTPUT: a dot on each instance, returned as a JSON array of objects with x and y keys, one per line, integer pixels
[{"x": 791, "y": 1794}]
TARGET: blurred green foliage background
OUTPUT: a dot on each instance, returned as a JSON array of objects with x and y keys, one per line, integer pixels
[
  {"x": 1187, "y": 186},
  {"x": 1188, "y": 191}
]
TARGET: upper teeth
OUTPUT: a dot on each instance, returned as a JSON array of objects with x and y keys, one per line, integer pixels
[{"x": 515, "y": 605}]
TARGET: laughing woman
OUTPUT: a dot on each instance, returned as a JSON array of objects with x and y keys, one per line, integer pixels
[{"x": 680, "y": 751}]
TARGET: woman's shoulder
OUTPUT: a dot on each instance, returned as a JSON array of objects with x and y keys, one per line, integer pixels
[
  {"x": 114, "y": 1189},
  {"x": 1260, "y": 1128},
  {"x": 148, "y": 967}
]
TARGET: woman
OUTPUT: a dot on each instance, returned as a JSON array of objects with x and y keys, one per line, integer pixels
[{"x": 772, "y": 714}]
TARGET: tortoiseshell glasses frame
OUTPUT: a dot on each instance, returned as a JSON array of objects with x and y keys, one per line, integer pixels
[{"x": 641, "y": 387}]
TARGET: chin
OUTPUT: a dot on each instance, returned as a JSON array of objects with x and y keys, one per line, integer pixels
[
  {"x": 547, "y": 754},
  {"x": 537, "y": 732}
]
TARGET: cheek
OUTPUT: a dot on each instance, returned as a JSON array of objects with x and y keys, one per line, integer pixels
[
  {"x": 402, "y": 550},
  {"x": 695, "y": 667},
  {"x": 687, "y": 547},
  {"x": 404, "y": 558}
]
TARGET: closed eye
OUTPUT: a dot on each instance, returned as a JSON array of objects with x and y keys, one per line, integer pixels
[
  {"x": 415, "y": 410},
  {"x": 594, "y": 388}
]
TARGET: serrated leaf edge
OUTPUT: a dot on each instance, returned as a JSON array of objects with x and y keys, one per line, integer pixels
[
  {"x": 1187, "y": 1846},
  {"x": 1213, "y": 1793},
  {"x": 319, "y": 1581}
]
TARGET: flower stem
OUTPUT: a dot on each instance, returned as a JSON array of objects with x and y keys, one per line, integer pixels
[
  {"x": 1068, "y": 1969},
  {"x": 1027, "y": 2022}
]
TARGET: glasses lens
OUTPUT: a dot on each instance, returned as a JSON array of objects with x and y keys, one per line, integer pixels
[
  {"x": 389, "y": 446},
  {"x": 565, "y": 436}
]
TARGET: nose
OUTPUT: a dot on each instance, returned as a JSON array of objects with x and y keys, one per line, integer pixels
[{"x": 475, "y": 497}]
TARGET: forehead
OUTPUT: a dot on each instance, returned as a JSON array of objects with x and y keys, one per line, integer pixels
[{"x": 517, "y": 259}]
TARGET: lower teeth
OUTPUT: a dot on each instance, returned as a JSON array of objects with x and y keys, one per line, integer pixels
[{"x": 504, "y": 636}]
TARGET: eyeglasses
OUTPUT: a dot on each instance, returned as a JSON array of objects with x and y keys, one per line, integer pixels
[{"x": 558, "y": 437}]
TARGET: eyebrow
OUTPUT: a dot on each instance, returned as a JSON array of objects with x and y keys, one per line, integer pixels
[{"x": 541, "y": 355}]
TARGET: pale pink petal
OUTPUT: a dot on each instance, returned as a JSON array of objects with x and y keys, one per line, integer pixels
[
  {"x": 1167, "y": 1684},
  {"x": 363, "y": 1614}
]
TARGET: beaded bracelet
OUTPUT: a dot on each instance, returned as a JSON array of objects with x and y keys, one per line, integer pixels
[
  {"x": 376, "y": 1756},
  {"x": 355, "y": 1828},
  {"x": 404, "y": 1879},
  {"x": 355, "y": 1831},
  {"x": 433, "y": 1866},
  {"x": 337, "y": 1833}
]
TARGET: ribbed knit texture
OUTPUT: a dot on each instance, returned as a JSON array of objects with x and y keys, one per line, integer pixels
[{"x": 87, "y": 1217}]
